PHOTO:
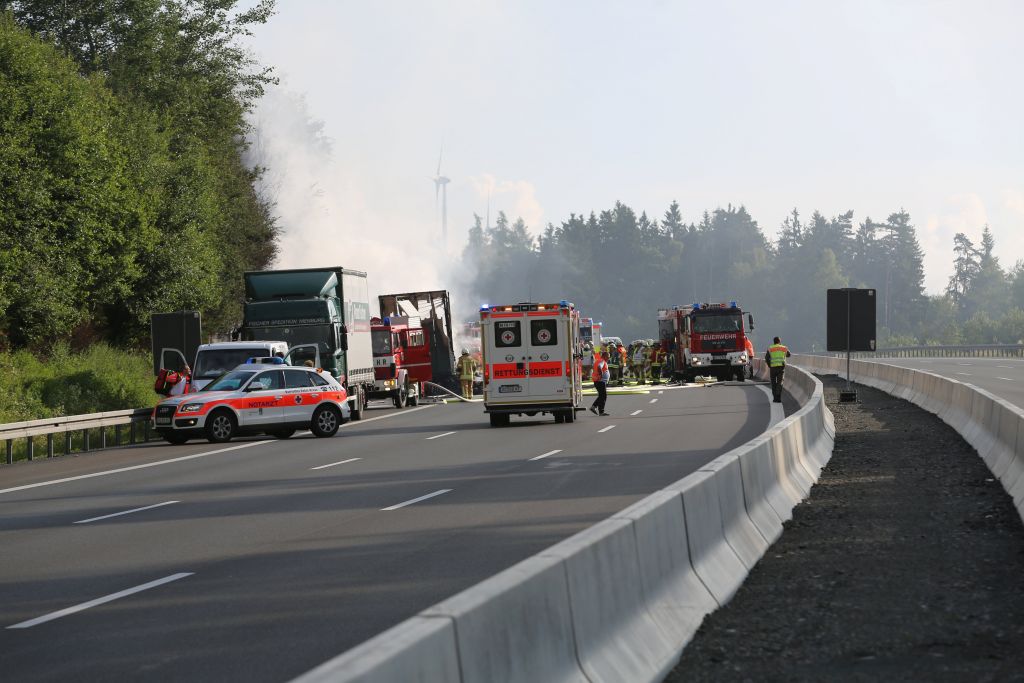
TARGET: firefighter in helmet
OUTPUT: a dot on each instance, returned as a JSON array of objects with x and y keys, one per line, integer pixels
[{"x": 467, "y": 369}]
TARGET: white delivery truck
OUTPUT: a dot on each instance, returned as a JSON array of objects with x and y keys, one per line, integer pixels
[{"x": 532, "y": 361}]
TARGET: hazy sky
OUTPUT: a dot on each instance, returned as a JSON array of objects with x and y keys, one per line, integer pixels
[{"x": 560, "y": 107}]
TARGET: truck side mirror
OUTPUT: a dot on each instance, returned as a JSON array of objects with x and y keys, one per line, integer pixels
[{"x": 750, "y": 321}]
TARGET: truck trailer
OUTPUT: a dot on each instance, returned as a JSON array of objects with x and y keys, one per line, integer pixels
[{"x": 323, "y": 314}]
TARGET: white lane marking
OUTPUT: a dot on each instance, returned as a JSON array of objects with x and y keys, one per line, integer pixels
[
  {"x": 963, "y": 363},
  {"x": 660, "y": 392},
  {"x": 126, "y": 512},
  {"x": 1005, "y": 367},
  {"x": 635, "y": 412},
  {"x": 654, "y": 400},
  {"x": 136, "y": 467},
  {"x": 404, "y": 411},
  {"x": 777, "y": 412},
  {"x": 340, "y": 462},
  {"x": 416, "y": 500},
  {"x": 541, "y": 457},
  {"x": 605, "y": 429},
  {"x": 965, "y": 374},
  {"x": 99, "y": 601},
  {"x": 1008, "y": 379},
  {"x": 438, "y": 436}
]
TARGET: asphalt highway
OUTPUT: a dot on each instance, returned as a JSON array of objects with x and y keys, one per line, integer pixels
[
  {"x": 1003, "y": 377},
  {"x": 260, "y": 559}
]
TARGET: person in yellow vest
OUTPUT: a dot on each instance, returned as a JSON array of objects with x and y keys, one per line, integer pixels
[
  {"x": 467, "y": 368},
  {"x": 657, "y": 359},
  {"x": 776, "y": 357}
]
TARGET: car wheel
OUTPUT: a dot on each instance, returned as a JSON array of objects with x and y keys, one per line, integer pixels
[
  {"x": 176, "y": 439},
  {"x": 281, "y": 433},
  {"x": 221, "y": 427},
  {"x": 326, "y": 421},
  {"x": 499, "y": 420}
]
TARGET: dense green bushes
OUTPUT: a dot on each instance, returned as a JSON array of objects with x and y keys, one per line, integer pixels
[
  {"x": 122, "y": 186},
  {"x": 99, "y": 379}
]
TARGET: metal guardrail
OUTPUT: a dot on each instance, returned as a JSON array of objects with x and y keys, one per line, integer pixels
[
  {"x": 972, "y": 351},
  {"x": 81, "y": 425}
]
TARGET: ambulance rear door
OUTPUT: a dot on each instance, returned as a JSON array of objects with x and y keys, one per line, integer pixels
[
  {"x": 506, "y": 351},
  {"x": 549, "y": 352}
]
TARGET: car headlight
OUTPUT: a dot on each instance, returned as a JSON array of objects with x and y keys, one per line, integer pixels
[{"x": 191, "y": 408}]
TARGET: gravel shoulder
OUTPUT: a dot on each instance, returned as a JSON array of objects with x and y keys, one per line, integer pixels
[{"x": 905, "y": 563}]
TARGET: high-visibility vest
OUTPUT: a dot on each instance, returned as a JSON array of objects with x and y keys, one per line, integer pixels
[
  {"x": 600, "y": 367},
  {"x": 777, "y": 355},
  {"x": 655, "y": 355}
]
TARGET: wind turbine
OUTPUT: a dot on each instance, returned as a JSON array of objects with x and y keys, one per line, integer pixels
[{"x": 441, "y": 188}]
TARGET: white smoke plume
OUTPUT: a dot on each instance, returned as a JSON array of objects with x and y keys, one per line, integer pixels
[{"x": 322, "y": 210}]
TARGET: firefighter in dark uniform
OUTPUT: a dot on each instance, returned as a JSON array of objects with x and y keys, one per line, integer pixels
[{"x": 776, "y": 357}]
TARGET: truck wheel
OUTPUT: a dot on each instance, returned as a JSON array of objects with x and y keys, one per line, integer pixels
[
  {"x": 221, "y": 426},
  {"x": 401, "y": 397},
  {"x": 326, "y": 421},
  {"x": 559, "y": 417},
  {"x": 360, "y": 404},
  {"x": 569, "y": 416}
]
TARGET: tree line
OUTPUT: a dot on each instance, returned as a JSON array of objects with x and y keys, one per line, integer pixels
[
  {"x": 620, "y": 267},
  {"x": 122, "y": 186}
]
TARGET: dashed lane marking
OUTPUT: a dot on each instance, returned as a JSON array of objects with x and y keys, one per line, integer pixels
[
  {"x": 1008, "y": 379},
  {"x": 605, "y": 429},
  {"x": 541, "y": 457},
  {"x": 654, "y": 400},
  {"x": 126, "y": 512},
  {"x": 438, "y": 436},
  {"x": 965, "y": 374},
  {"x": 340, "y": 462},
  {"x": 440, "y": 492},
  {"x": 99, "y": 601},
  {"x": 635, "y": 412}
]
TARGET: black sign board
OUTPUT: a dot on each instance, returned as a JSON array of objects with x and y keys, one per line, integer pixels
[
  {"x": 851, "y": 320},
  {"x": 175, "y": 335}
]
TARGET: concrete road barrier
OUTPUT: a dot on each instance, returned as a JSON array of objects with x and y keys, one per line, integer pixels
[
  {"x": 515, "y": 626},
  {"x": 617, "y": 639},
  {"x": 992, "y": 426},
  {"x": 766, "y": 503},
  {"x": 620, "y": 600},
  {"x": 420, "y": 649},
  {"x": 713, "y": 558},
  {"x": 740, "y": 532},
  {"x": 676, "y": 597}
]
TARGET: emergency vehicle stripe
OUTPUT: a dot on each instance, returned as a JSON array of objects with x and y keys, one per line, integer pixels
[
  {"x": 508, "y": 371},
  {"x": 546, "y": 369},
  {"x": 543, "y": 314},
  {"x": 506, "y": 315}
]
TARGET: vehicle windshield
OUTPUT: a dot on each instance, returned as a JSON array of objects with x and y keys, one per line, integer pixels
[
  {"x": 215, "y": 362},
  {"x": 297, "y": 334},
  {"x": 230, "y": 381},
  {"x": 381, "y": 342},
  {"x": 724, "y": 322}
]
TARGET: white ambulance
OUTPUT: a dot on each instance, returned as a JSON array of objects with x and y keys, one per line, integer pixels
[{"x": 532, "y": 361}]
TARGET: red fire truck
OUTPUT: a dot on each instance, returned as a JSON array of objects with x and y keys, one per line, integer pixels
[
  {"x": 705, "y": 340},
  {"x": 401, "y": 359},
  {"x": 532, "y": 361}
]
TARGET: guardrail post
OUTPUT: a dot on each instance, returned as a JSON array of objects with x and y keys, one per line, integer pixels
[
  {"x": 49, "y": 445},
  {"x": 103, "y": 437},
  {"x": 10, "y": 452},
  {"x": 68, "y": 445},
  {"x": 85, "y": 440},
  {"x": 30, "y": 447}
]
